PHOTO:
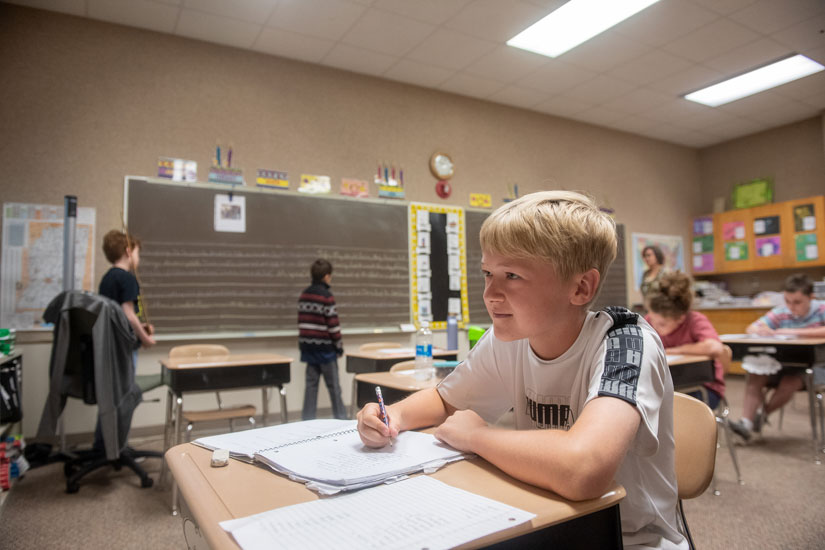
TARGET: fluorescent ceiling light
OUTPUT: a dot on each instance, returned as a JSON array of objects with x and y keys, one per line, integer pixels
[
  {"x": 758, "y": 80},
  {"x": 575, "y": 22}
]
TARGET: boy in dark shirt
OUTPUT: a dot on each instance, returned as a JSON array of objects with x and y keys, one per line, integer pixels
[
  {"x": 319, "y": 338},
  {"x": 121, "y": 285}
]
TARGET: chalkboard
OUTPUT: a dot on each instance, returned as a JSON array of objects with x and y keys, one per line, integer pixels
[{"x": 197, "y": 280}]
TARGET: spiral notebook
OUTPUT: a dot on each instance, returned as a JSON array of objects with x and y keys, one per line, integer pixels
[{"x": 334, "y": 460}]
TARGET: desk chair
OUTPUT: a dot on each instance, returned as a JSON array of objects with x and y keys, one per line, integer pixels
[
  {"x": 91, "y": 360},
  {"x": 694, "y": 434},
  {"x": 370, "y": 346},
  {"x": 403, "y": 365},
  {"x": 221, "y": 413}
]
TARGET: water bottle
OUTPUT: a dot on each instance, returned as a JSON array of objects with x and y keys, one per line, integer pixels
[
  {"x": 452, "y": 332},
  {"x": 424, "y": 352}
]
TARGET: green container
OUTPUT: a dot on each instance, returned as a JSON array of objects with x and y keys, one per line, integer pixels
[
  {"x": 7, "y": 337},
  {"x": 474, "y": 333}
]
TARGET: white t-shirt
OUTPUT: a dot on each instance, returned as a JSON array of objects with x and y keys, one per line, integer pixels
[{"x": 625, "y": 362}]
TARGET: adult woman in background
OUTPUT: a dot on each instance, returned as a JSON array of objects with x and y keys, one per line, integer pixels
[
  {"x": 686, "y": 332},
  {"x": 655, "y": 261}
]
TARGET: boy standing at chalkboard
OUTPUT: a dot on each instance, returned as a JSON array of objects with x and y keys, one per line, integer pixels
[{"x": 319, "y": 338}]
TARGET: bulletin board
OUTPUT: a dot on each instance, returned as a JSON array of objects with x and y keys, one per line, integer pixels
[{"x": 438, "y": 264}]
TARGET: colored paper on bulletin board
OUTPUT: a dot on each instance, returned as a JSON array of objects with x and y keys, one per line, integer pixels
[
  {"x": 766, "y": 226},
  {"x": 752, "y": 193},
  {"x": 804, "y": 218},
  {"x": 703, "y": 226},
  {"x": 733, "y": 231},
  {"x": 703, "y": 263},
  {"x": 272, "y": 179},
  {"x": 355, "y": 188},
  {"x": 806, "y": 247},
  {"x": 481, "y": 200},
  {"x": 736, "y": 251},
  {"x": 702, "y": 245},
  {"x": 314, "y": 185},
  {"x": 767, "y": 246}
]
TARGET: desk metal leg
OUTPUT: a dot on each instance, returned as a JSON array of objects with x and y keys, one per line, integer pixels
[
  {"x": 178, "y": 413},
  {"x": 164, "y": 469},
  {"x": 809, "y": 381},
  {"x": 265, "y": 403},
  {"x": 353, "y": 407},
  {"x": 284, "y": 411}
]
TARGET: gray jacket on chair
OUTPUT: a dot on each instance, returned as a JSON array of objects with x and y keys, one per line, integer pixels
[{"x": 113, "y": 341}]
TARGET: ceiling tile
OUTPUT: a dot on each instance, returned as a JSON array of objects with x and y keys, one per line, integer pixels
[
  {"x": 506, "y": 64},
  {"x": 599, "y": 89},
  {"x": 687, "y": 80},
  {"x": 388, "y": 33},
  {"x": 327, "y": 19},
  {"x": 497, "y": 20},
  {"x": 555, "y": 77},
  {"x": 817, "y": 54},
  {"x": 768, "y": 16},
  {"x": 212, "y": 28},
  {"x": 604, "y": 52},
  {"x": 471, "y": 85},
  {"x": 417, "y": 73},
  {"x": 803, "y": 88},
  {"x": 292, "y": 45},
  {"x": 562, "y": 106},
  {"x": 637, "y": 101},
  {"x": 724, "y": 7},
  {"x": 674, "y": 111},
  {"x": 635, "y": 124},
  {"x": 434, "y": 12},
  {"x": 651, "y": 66},
  {"x": 518, "y": 97},
  {"x": 664, "y": 21},
  {"x": 358, "y": 60},
  {"x": 136, "y": 13},
  {"x": 254, "y": 11},
  {"x": 72, "y": 7},
  {"x": 735, "y": 127},
  {"x": 749, "y": 56},
  {"x": 450, "y": 49},
  {"x": 712, "y": 40},
  {"x": 804, "y": 35},
  {"x": 767, "y": 107}
]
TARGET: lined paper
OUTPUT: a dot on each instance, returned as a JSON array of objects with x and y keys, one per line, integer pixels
[{"x": 412, "y": 514}]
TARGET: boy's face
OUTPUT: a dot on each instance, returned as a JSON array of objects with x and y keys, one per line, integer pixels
[
  {"x": 134, "y": 256},
  {"x": 525, "y": 298},
  {"x": 798, "y": 303}
]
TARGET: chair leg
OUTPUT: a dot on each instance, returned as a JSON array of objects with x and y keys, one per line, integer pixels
[
  {"x": 732, "y": 450},
  {"x": 354, "y": 400},
  {"x": 685, "y": 526}
]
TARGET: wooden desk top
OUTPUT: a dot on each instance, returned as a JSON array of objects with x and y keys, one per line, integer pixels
[
  {"x": 685, "y": 359},
  {"x": 231, "y": 360},
  {"x": 768, "y": 340},
  {"x": 398, "y": 353},
  {"x": 396, "y": 381},
  {"x": 238, "y": 490}
]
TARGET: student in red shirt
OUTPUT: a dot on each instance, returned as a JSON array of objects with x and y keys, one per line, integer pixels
[{"x": 686, "y": 332}]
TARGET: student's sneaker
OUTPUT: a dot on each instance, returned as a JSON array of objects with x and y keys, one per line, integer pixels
[{"x": 741, "y": 430}]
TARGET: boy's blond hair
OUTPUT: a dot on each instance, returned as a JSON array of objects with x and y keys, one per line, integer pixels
[
  {"x": 116, "y": 242},
  {"x": 564, "y": 228}
]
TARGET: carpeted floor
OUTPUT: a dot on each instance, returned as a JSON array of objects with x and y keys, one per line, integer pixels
[{"x": 779, "y": 506}]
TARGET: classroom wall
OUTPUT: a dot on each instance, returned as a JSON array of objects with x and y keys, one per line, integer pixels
[{"x": 85, "y": 103}]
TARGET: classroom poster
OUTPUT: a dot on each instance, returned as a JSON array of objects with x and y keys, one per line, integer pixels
[
  {"x": 703, "y": 244},
  {"x": 803, "y": 218},
  {"x": 736, "y": 251},
  {"x": 230, "y": 213},
  {"x": 671, "y": 245},
  {"x": 767, "y": 246},
  {"x": 272, "y": 179},
  {"x": 733, "y": 231},
  {"x": 438, "y": 264},
  {"x": 703, "y": 263},
  {"x": 315, "y": 185},
  {"x": 766, "y": 226},
  {"x": 355, "y": 188},
  {"x": 703, "y": 226},
  {"x": 807, "y": 248}
]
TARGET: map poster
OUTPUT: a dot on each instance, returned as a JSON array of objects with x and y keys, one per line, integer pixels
[{"x": 31, "y": 272}]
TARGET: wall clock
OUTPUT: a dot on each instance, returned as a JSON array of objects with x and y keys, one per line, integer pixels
[{"x": 441, "y": 165}]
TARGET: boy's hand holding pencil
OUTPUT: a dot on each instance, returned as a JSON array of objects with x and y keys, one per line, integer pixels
[{"x": 376, "y": 429}]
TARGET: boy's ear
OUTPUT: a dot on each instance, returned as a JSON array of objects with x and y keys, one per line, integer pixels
[{"x": 586, "y": 285}]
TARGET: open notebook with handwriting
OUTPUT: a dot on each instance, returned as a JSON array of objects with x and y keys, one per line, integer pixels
[{"x": 328, "y": 455}]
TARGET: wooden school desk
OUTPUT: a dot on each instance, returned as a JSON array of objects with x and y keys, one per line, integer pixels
[
  {"x": 799, "y": 354},
  {"x": 687, "y": 371},
  {"x": 382, "y": 360},
  {"x": 212, "y": 495},
  {"x": 225, "y": 372}
]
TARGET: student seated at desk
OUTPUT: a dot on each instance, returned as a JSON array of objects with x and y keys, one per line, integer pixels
[
  {"x": 800, "y": 316},
  {"x": 591, "y": 391},
  {"x": 684, "y": 331}
]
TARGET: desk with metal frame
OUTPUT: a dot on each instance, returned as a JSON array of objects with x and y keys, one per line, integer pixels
[
  {"x": 212, "y": 495},
  {"x": 234, "y": 371},
  {"x": 793, "y": 354},
  {"x": 688, "y": 371}
]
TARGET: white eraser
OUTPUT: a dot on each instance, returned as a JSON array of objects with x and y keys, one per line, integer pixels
[{"x": 220, "y": 457}]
